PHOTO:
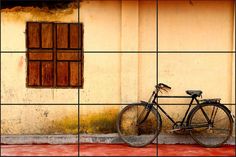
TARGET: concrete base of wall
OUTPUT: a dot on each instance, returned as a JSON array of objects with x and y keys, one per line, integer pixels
[
  {"x": 94, "y": 138},
  {"x": 163, "y": 138},
  {"x": 39, "y": 139}
]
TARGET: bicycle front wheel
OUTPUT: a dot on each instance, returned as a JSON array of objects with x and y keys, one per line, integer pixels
[
  {"x": 138, "y": 125},
  {"x": 217, "y": 132}
]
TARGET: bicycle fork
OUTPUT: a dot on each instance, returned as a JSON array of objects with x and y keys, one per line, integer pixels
[{"x": 147, "y": 107}]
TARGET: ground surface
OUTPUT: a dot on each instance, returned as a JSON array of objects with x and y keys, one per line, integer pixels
[
  {"x": 114, "y": 150},
  {"x": 39, "y": 150},
  {"x": 163, "y": 150}
]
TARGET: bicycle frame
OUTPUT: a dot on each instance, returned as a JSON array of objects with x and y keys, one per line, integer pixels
[{"x": 193, "y": 98}]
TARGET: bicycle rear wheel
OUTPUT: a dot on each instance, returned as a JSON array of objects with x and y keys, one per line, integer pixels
[
  {"x": 214, "y": 134},
  {"x": 134, "y": 129}
]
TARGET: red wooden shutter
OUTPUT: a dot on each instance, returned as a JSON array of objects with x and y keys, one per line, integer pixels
[
  {"x": 69, "y": 55},
  {"x": 40, "y": 54},
  {"x": 54, "y": 54}
]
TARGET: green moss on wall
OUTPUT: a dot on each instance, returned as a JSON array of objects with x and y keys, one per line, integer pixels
[
  {"x": 65, "y": 125},
  {"x": 102, "y": 122}
]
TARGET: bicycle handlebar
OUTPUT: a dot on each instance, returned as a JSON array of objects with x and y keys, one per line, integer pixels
[{"x": 162, "y": 85}]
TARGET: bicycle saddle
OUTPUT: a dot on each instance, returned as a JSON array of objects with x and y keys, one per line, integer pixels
[{"x": 194, "y": 92}]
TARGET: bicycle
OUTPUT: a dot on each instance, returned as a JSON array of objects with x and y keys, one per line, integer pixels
[{"x": 209, "y": 123}]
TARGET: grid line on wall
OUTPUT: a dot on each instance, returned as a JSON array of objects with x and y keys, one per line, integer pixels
[
  {"x": 78, "y": 1},
  {"x": 99, "y": 104},
  {"x": 140, "y": 52},
  {"x": 157, "y": 64},
  {"x": 0, "y": 82}
]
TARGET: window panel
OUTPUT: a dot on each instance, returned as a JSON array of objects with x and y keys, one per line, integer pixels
[
  {"x": 34, "y": 73},
  {"x": 74, "y": 74},
  {"x": 47, "y": 74},
  {"x": 62, "y": 35},
  {"x": 40, "y": 56},
  {"x": 62, "y": 73},
  {"x": 67, "y": 56},
  {"x": 33, "y": 32},
  {"x": 47, "y": 35},
  {"x": 74, "y": 36}
]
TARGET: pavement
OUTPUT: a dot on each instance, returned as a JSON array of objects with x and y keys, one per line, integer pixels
[
  {"x": 115, "y": 150},
  {"x": 163, "y": 138},
  {"x": 39, "y": 150}
]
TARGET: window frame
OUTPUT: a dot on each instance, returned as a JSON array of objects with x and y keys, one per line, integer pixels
[{"x": 55, "y": 51}]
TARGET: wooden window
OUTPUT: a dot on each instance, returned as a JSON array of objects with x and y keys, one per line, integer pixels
[{"x": 54, "y": 54}]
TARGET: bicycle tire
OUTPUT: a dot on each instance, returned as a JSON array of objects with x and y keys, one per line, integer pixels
[
  {"x": 208, "y": 136},
  {"x": 128, "y": 130}
]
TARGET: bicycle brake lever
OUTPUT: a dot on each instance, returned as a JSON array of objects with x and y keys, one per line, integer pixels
[{"x": 164, "y": 89}]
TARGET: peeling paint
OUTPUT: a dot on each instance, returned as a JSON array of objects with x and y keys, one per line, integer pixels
[
  {"x": 20, "y": 63},
  {"x": 45, "y": 8},
  {"x": 19, "y": 14}
]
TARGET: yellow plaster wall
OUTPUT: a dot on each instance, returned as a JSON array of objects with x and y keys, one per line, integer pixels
[
  {"x": 112, "y": 77},
  {"x": 203, "y": 25},
  {"x": 39, "y": 119}
]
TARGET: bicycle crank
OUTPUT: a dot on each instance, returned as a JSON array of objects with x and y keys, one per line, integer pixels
[{"x": 178, "y": 128}]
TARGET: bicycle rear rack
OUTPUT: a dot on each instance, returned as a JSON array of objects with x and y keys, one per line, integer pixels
[{"x": 208, "y": 101}]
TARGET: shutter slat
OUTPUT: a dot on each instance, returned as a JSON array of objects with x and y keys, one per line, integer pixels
[
  {"x": 34, "y": 73},
  {"x": 74, "y": 74},
  {"x": 47, "y": 36},
  {"x": 33, "y": 32},
  {"x": 40, "y": 54},
  {"x": 74, "y": 36},
  {"x": 62, "y": 35},
  {"x": 68, "y": 56},
  {"x": 47, "y": 73},
  {"x": 62, "y": 73}
]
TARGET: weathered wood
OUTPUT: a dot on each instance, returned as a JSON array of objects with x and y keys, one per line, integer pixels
[
  {"x": 56, "y": 48},
  {"x": 80, "y": 75},
  {"x": 34, "y": 74},
  {"x": 47, "y": 35},
  {"x": 80, "y": 36},
  {"x": 74, "y": 36},
  {"x": 68, "y": 56},
  {"x": 74, "y": 74},
  {"x": 40, "y": 54},
  {"x": 62, "y": 73},
  {"x": 33, "y": 32},
  {"x": 62, "y": 35},
  {"x": 47, "y": 73},
  {"x": 74, "y": 55}
]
